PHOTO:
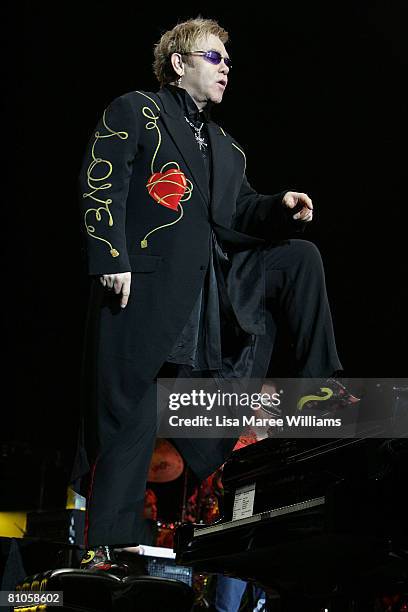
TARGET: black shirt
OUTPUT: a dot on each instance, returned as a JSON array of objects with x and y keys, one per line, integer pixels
[
  {"x": 200, "y": 343},
  {"x": 199, "y": 119}
]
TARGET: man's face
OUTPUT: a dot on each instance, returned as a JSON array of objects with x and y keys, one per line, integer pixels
[{"x": 202, "y": 78}]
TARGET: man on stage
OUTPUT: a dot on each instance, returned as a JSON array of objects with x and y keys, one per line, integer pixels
[{"x": 189, "y": 266}]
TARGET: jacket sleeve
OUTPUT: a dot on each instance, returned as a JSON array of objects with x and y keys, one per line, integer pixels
[
  {"x": 263, "y": 216},
  {"x": 104, "y": 185}
]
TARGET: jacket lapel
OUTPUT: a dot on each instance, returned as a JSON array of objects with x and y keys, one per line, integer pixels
[
  {"x": 183, "y": 138},
  {"x": 223, "y": 168},
  {"x": 221, "y": 149}
]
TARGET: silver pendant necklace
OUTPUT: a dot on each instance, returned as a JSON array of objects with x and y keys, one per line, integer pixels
[{"x": 197, "y": 134}]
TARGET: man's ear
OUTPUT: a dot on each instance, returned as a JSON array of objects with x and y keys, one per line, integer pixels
[{"x": 177, "y": 61}]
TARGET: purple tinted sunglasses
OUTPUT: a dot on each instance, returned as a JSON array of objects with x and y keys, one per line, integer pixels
[{"x": 214, "y": 57}]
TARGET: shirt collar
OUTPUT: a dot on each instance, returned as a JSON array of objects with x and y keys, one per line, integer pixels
[{"x": 187, "y": 104}]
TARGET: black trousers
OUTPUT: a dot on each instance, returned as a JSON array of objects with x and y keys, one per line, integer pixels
[
  {"x": 297, "y": 309},
  {"x": 297, "y": 304}
]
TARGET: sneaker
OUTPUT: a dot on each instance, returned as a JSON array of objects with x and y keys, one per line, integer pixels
[
  {"x": 333, "y": 392},
  {"x": 102, "y": 558}
]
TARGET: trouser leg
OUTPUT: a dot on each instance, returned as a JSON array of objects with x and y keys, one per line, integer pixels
[
  {"x": 116, "y": 498},
  {"x": 296, "y": 293},
  {"x": 202, "y": 455},
  {"x": 120, "y": 423}
]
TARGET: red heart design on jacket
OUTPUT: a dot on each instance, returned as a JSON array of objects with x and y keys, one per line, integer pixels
[{"x": 167, "y": 188}]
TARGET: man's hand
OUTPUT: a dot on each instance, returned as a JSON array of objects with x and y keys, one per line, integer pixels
[
  {"x": 301, "y": 201},
  {"x": 120, "y": 283}
]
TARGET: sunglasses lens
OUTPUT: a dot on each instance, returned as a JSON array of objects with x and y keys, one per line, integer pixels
[{"x": 213, "y": 56}]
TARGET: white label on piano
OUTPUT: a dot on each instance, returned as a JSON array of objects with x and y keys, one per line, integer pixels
[{"x": 244, "y": 502}]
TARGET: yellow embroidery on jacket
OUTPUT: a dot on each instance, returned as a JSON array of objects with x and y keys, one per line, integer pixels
[
  {"x": 159, "y": 181},
  {"x": 152, "y": 125},
  {"x": 96, "y": 184},
  {"x": 241, "y": 151},
  {"x": 187, "y": 191},
  {"x": 149, "y": 98}
]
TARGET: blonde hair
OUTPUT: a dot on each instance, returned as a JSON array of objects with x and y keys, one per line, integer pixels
[{"x": 182, "y": 38}]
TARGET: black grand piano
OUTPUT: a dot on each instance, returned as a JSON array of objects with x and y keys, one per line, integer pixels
[{"x": 310, "y": 518}]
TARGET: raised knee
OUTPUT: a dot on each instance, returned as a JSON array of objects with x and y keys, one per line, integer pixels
[{"x": 306, "y": 251}]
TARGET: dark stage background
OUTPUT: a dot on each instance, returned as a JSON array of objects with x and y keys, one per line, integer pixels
[{"x": 315, "y": 98}]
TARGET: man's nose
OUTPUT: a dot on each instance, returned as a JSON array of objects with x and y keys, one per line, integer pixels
[{"x": 224, "y": 67}]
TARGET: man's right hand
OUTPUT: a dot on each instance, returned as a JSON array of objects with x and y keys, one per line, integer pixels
[{"x": 120, "y": 283}]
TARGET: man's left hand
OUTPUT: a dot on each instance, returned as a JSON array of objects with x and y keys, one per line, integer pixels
[{"x": 294, "y": 199}]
